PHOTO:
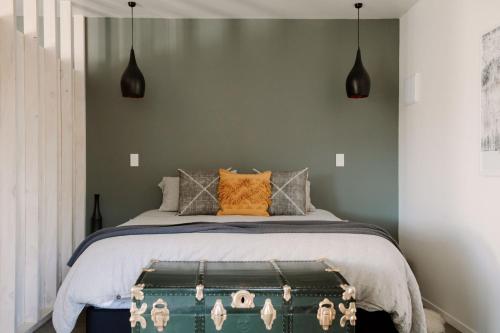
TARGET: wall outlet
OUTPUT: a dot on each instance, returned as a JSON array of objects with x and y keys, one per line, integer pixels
[
  {"x": 339, "y": 160},
  {"x": 134, "y": 160}
]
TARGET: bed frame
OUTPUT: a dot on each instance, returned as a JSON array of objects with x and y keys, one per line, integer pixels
[{"x": 116, "y": 321}]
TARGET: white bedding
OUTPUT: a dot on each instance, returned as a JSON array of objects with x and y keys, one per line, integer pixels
[{"x": 103, "y": 274}]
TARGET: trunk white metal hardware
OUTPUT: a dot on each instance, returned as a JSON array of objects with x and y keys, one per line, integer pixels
[
  {"x": 199, "y": 292},
  {"x": 349, "y": 314},
  {"x": 136, "y": 292},
  {"x": 218, "y": 314},
  {"x": 349, "y": 292},
  {"x": 160, "y": 314},
  {"x": 136, "y": 315},
  {"x": 268, "y": 314},
  {"x": 331, "y": 269},
  {"x": 242, "y": 299},
  {"x": 326, "y": 314},
  {"x": 287, "y": 293}
]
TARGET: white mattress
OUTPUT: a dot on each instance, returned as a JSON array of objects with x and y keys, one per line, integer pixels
[{"x": 155, "y": 217}]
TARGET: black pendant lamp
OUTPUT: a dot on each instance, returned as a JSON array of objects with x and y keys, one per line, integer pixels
[
  {"x": 358, "y": 82},
  {"x": 132, "y": 83}
]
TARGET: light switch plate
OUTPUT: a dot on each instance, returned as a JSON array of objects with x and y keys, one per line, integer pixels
[
  {"x": 134, "y": 160},
  {"x": 412, "y": 89},
  {"x": 339, "y": 160}
]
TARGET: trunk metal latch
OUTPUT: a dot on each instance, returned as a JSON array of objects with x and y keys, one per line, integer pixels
[
  {"x": 160, "y": 314},
  {"x": 326, "y": 314}
]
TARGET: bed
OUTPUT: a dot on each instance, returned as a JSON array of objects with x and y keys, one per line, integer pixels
[{"x": 104, "y": 271}]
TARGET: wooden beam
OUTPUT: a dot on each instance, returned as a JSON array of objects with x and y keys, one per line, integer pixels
[
  {"x": 49, "y": 24},
  {"x": 50, "y": 152},
  {"x": 32, "y": 115},
  {"x": 8, "y": 134},
  {"x": 32, "y": 141},
  {"x": 30, "y": 18},
  {"x": 66, "y": 191},
  {"x": 79, "y": 137},
  {"x": 21, "y": 180}
]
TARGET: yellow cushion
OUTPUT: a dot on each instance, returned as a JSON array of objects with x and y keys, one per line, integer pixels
[{"x": 241, "y": 194}]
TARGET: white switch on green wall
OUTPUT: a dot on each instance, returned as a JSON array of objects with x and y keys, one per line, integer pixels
[
  {"x": 134, "y": 160},
  {"x": 339, "y": 160}
]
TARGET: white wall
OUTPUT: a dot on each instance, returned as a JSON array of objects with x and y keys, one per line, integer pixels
[{"x": 449, "y": 214}]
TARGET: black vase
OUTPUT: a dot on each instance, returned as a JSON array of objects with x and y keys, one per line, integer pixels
[{"x": 96, "y": 219}]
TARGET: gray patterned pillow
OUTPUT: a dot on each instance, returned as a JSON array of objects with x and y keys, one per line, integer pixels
[
  {"x": 289, "y": 192},
  {"x": 198, "y": 192}
]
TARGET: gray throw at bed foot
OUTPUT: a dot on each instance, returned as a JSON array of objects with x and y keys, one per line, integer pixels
[{"x": 269, "y": 227}]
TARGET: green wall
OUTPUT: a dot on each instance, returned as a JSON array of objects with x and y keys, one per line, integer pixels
[{"x": 266, "y": 94}]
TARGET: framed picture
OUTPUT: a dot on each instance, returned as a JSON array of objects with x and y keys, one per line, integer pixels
[{"x": 490, "y": 104}]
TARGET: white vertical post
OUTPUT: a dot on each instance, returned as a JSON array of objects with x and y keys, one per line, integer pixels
[
  {"x": 66, "y": 192},
  {"x": 32, "y": 113},
  {"x": 79, "y": 136},
  {"x": 21, "y": 180},
  {"x": 30, "y": 16},
  {"x": 50, "y": 152},
  {"x": 8, "y": 169}
]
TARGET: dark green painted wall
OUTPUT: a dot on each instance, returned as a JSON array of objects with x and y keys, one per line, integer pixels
[{"x": 267, "y": 94}]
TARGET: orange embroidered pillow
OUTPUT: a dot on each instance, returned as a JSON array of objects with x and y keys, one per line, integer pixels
[{"x": 241, "y": 194}]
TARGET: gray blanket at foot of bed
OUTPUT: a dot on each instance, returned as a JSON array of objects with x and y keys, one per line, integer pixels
[{"x": 269, "y": 227}]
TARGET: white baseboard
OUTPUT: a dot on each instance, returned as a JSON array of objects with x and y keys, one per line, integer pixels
[{"x": 451, "y": 320}]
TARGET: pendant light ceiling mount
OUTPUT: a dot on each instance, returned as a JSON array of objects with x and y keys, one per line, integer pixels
[
  {"x": 132, "y": 83},
  {"x": 358, "y": 82}
]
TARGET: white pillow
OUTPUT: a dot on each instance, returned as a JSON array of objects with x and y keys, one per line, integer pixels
[
  {"x": 309, "y": 205},
  {"x": 170, "y": 189}
]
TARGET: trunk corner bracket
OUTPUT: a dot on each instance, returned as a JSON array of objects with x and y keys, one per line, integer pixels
[
  {"x": 349, "y": 292},
  {"x": 136, "y": 315},
  {"x": 349, "y": 314},
  {"x": 136, "y": 292}
]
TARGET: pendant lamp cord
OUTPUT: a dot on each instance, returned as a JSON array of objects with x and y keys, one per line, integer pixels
[
  {"x": 132, "y": 9},
  {"x": 358, "y": 28}
]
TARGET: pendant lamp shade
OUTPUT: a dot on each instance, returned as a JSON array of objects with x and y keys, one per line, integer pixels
[
  {"x": 358, "y": 81},
  {"x": 132, "y": 83}
]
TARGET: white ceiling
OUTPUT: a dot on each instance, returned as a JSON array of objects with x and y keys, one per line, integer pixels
[{"x": 310, "y": 9}]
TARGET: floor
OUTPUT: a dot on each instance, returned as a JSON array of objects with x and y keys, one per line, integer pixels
[{"x": 80, "y": 327}]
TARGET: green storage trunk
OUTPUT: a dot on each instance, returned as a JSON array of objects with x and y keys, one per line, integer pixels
[{"x": 272, "y": 296}]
